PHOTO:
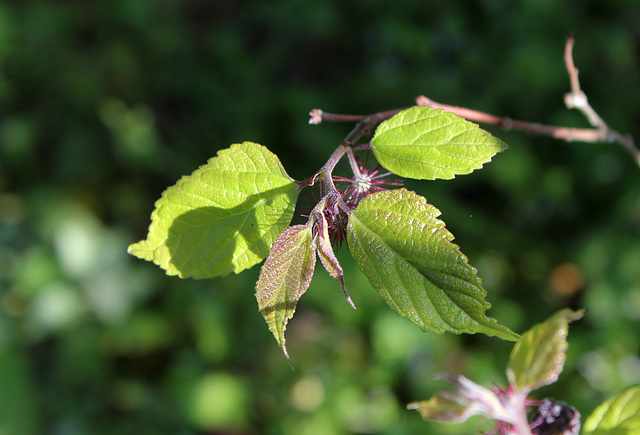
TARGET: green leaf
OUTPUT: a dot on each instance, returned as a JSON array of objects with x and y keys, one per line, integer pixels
[
  {"x": 538, "y": 357},
  {"x": 223, "y": 217},
  {"x": 284, "y": 277},
  {"x": 619, "y": 415},
  {"x": 426, "y": 144},
  {"x": 407, "y": 255}
]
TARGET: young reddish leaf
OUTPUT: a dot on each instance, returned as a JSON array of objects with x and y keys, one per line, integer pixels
[
  {"x": 223, "y": 217},
  {"x": 619, "y": 415},
  {"x": 328, "y": 257},
  {"x": 538, "y": 357},
  {"x": 468, "y": 400},
  {"x": 427, "y": 143},
  {"x": 284, "y": 277},
  {"x": 407, "y": 255}
]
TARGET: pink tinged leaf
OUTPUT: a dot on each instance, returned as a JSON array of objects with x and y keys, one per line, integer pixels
[
  {"x": 284, "y": 277},
  {"x": 327, "y": 256},
  {"x": 468, "y": 400}
]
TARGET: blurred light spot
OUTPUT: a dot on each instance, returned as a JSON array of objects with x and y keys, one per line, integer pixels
[
  {"x": 596, "y": 370},
  {"x": 566, "y": 279},
  {"x": 111, "y": 289},
  {"x": 34, "y": 269},
  {"x": 219, "y": 401},
  {"x": 77, "y": 242},
  {"x": 55, "y": 307},
  {"x": 307, "y": 394}
]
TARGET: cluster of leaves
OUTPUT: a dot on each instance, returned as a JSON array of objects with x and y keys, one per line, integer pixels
[
  {"x": 536, "y": 360},
  {"x": 235, "y": 211}
]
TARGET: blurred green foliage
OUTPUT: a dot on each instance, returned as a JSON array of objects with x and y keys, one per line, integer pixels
[{"x": 104, "y": 104}]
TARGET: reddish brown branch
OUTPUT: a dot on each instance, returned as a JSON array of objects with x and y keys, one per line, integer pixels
[
  {"x": 316, "y": 116},
  {"x": 576, "y": 99},
  {"x": 364, "y": 124},
  {"x": 565, "y": 133}
]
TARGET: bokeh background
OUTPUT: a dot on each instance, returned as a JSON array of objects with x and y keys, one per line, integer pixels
[{"x": 105, "y": 103}]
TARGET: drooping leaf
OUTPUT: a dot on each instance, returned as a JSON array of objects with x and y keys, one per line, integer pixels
[
  {"x": 407, "y": 254},
  {"x": 427, "y": 144},
  {"x": 468, "y": 400},
  {"x": 284, "y": 277},
  {"x": 328, "y": 257},
  {"x": 619, "y": 415},
  {"x": 537, "y": 359},
  {"x": 223, "y": 217}
]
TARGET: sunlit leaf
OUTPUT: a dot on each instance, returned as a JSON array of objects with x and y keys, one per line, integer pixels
[
  {"x": 284, "y": 277},
  {"x": 538, "y": 357},
  {"x": 619, "y": 415},
  {"x": 406, "y": 253},
  {"x": 223, "y": 217},
  {"x": 426, "y": 143}
]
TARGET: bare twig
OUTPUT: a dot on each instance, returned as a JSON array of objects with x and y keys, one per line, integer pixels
[
  {"x": 576, "y": 99},
  {"x": 565, "y": 133},
  {"x": 316, "y": 116},
  {"x": 364, "y": 126}
]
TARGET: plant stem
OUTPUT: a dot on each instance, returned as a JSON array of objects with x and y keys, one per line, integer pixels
[
  {"x": 575, "y": 99},
  {"x": 364, "y": 127}
]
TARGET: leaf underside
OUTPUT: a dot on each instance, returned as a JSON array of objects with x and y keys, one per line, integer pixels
[
  {"x": 428, "y": 144},
  {"x": 328, "y": 257},
  {"x": 468, "y": 400},
  {"x": 407, "y": 255},
  {"x": 223, "y": 217},
  {"x": 284, "y": 277},
  {"x": 537, "y": 359}
]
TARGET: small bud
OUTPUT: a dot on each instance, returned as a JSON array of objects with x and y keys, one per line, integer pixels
[{"x": 555, "y": 418}]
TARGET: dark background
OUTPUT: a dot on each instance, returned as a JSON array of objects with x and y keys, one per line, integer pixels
[{"x": 103, "y": 104}]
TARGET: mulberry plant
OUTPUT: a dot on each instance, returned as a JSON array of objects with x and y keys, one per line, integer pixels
[{"x": 235, "y": 211}]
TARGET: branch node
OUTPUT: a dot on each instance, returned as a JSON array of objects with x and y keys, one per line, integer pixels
[
  {"x": 576, "y": 100},
  {"x": 315, "y": 116}
]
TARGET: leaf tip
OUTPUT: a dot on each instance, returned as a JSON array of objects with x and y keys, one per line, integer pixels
[
  {"x": 286, "y": 354},
  {"x": 137, "y": 249},
  {"x": 346, "y": 295},
  {"x": 413, "y": 406}
]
